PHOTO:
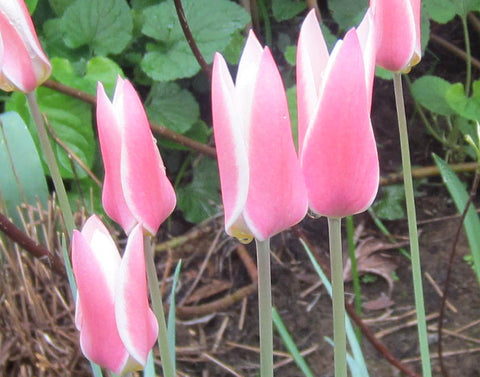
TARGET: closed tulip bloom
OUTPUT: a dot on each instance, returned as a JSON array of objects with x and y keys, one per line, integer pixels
[
  {"x": 338, "y": 155},
  {"x": 398, "y": 33},
  {"x": 136, "y": 188},
  {"x": 262, "y": 186},
  {"x": 117, "y": 327},
  {"x": 24, "y": 65}
]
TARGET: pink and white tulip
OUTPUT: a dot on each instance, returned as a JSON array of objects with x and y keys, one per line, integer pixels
[
  {"x": 117, "y": 327},
  {"x": 23, "y": 64},
  {"x": 338, "y": 152},
  {"x": 136, "y": 188},
  {"x": 397, "y": 24},
  {"x": 262, "y": 186}
]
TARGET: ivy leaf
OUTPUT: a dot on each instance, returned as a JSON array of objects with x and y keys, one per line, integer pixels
[
  {"x": 213, "y": 22},
  {"x": 172, "y": 106},
  {"x": 286, "y": 9},
  {"x": 200, "y": 199},
  {"x": 467, "y": 107},
  {"x": 103, "y": 25},
  {"x": 430, "y": 92}
]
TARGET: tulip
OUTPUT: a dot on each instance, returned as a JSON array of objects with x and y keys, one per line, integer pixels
[
  {"x": 262, "y": 186},
  {"x": 136, "y": 188},
  {"x": 117, "y": 327},
  {"x": 24, "y": 65},
  {"x": 338, "y": 152},
  {"x": 398, "y": 33}
]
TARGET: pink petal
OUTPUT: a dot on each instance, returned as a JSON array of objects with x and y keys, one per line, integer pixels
[
  {"x": 312, "y": 59},
  {"x": 276, "y": 196},
  {"x": 396, "y": 33},
  {"x": 136, "y": 322},
  {"x": 339, "y": 158},
  {"x": 366, "y": 36},
  {"x": 417, "y": 10},
  {"x": 230, "y": 145},
  {"x": 109, "y": 134},
  {"x": 95, "y": 266},
  {"x": 25, "y": 65},
  {"x": 147, "y": 190}
]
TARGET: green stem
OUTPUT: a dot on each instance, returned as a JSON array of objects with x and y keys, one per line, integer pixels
[
  {"x": 265, "y": 308},
  {"x": 51, "y": 163},
  {"x": 338, "y": 298},
  {"x": 412, "y": 227},
  {"x": 156, "y": 297},
  {"x": 266, "y": 20},
  {"x": 356, "y": 279},
  {"x": 468, "y": 52}
]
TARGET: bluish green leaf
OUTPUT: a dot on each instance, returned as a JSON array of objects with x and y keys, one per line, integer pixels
[
  {"x": 172, "y": 106},
  {"x": 430, "y": 92},
  {"x": 103, "y": 25},
  {"x": 347, "y": 13},
  {"x": 441, "y": 11},
  {"x": 200, "y": 199},
  {"x": 460, "y": 198},
  {"x": 213, "y": 22},
  {"x": 391, "y": 204},
  {"x": 286, "y": 9},
  {"x": 467, "y": 107},
  {"x": 22, "y": 179}
]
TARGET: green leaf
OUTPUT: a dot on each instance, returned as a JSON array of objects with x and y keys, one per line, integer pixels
[
  {"x": 465, "y": 6},
  {"x": 103, "y": 25},
  {"x": 430, "y": 92},
  {"x": 292, "y": 108},
  {"x": 460, "y": 198},
  {"x": 22, "y": 179},
  {"x": 392, "y": 203},
  {"x": 290, "y": 54},
  {"x": 286, "y": 9},
  {"x": 233, "y": 51},
  {"x": 172, "y": 106},
  {"x": 347, "y": 13},
  {"x": 104, "y": 70},
  {"x": 200, "y": 199},
  {"x": 467, "y": 107},
  {"x": 441, "y": 11},
  {"x": 31, "y": 5},
  {"x": 213, "y": 22},
  {"x": 59, "y": 6}
]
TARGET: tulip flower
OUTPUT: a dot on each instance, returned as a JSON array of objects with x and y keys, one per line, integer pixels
[
  {"x": 338, "y": 151},
  {"x": 23, "y": 64},
  {"x": 262, "y": 186},
  {"x": 117, "y": 327},
  {"x": 398, "y": 33},
  {"x": 136, "y": 188}
]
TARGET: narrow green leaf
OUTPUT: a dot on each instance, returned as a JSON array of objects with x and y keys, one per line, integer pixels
[
  {"x": 172, "y": 316},
  {"x": 460, "y": 198}
]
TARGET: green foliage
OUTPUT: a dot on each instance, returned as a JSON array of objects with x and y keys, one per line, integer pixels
[
  {"x": 213, "y": 23},
  {"x": 22, "y": 180},
  {"x": 467, "y": 107},
  {"x": 391, "y": 206},
  {"x": 285, "y": 9},
  {"x": 430, "y": 92},
  {"x": 200, "y": 199},
  {"x": 347, "y": 13}
]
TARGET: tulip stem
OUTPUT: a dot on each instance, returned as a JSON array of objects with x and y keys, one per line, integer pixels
[
  {"x": 156, "y": 297},
  {"x": 51, "y": 163},
  {"x": 412, "y": 227},
  {"x": 338, "y": 298},
  {"x": 265, "y": 308}
]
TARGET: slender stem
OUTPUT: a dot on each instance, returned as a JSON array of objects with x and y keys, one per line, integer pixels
[
  {"x": 155, "y": 296},
  {"x": 412, "y": 226},
  {"x": 338, "y": 298},
  {"x": 52, "y": 164},
  {"x": 468, "y": 52},
  {"x": 266, "y": 20},
  {"x": 265, "y": 308},
  {"x": 353, "y": 262}
]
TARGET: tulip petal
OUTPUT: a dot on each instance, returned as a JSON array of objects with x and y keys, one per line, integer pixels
[
  {"x": 136, "y": 322},
  {"x": 109, "y": 134},
  {"x": 366, "y": 36},
  {"x": 396, "y": 33},
  {"x": 230, "y": 146},
  {"x": 339, "y": 158},
  {"x": 147, "y": 190},
  {"x": 312, "y": 59},
  {"x": 276, "y": 196},
  {"x": 95, "y": 274}
]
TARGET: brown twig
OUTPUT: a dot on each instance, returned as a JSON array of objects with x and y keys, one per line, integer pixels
[
  {"x": 156, "y": 128},
  {"x": 190, "y": 39},
  {"x": 473, "y": 191},
  {"x": 359, "y": 322},
  {"x": 24, "y": 241},
  {"x": 454, "y": 49},
  {"x": 474, "y": 21}
]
